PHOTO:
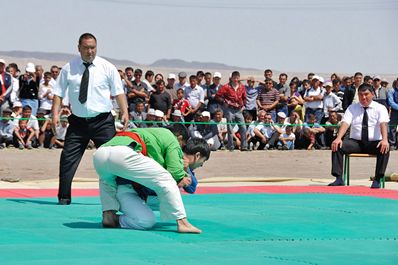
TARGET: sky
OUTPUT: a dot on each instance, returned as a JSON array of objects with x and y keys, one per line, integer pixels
[{"x": 343, "y": 36}]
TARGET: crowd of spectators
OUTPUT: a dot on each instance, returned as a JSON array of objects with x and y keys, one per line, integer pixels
[{"x": 278, "y": 114}]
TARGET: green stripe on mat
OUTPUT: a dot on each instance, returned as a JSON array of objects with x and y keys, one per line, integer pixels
[{"x": 237, "y": 229}]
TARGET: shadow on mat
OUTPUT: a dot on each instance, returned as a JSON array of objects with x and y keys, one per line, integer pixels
[
  {"x": 159, "y": 227},
  {"x": 46, "y": 202},
  {"x": 84, "y": 225}
]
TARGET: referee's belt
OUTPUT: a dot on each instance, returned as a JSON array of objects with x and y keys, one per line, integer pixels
[{"x": 100, "y": 116}]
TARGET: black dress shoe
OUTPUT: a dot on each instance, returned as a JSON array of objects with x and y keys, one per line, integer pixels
[
  {"x": 375, "y": 184},
  {"x": 337, "y": 182},
  {"x": 64, "y": 201}
]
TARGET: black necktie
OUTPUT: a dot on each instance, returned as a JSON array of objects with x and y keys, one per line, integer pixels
[
  {"x": 364, "y": 132},
  {"x": 84, "y": 84}
]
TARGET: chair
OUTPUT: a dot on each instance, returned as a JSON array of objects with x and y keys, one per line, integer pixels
[{"x": 346, "y": 169}]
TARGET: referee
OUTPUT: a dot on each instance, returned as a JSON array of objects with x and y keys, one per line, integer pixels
[{"x": 89, "y": 82}]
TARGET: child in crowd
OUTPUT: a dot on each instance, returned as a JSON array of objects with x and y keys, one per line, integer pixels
[
  {"x": 286, "y": 139},
  {"x": 46, "y": 94},
  {"x": 16, "y": 109},
  {"x": 181, "y": 103},
  {"x": 221, "y": 127},
  {"x": 47, "y": 136},
  {"x": 60, "y": 132},
  {"x": 6, "y": 129},
  {"x": 23, "y": 135}
]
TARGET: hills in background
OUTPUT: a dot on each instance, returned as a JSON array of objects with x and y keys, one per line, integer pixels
[
  {"x": 164, "y": 66},
  {"x": 162, "y": 63}
]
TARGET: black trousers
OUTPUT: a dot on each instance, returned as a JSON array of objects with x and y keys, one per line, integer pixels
[
  {"x": 99, "y": 129},
  {"x": 355, "y": 146}
]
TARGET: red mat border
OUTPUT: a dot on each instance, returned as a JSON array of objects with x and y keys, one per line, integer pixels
[{"x": 352, "y": 190}]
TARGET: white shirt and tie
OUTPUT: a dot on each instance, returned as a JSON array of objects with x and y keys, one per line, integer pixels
[
  {"x": 104, "y": 82},
  {"x": 377, "y": 114}
]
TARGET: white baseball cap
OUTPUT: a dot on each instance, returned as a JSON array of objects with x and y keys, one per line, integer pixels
[
  {"x": 328, "y": 83},
  {"x": 171, "y": 76},
  {"x": 17, "y": 104},
  {"x": 176, "y": 113},
  {"x": 217, "y": 74},
  {"x": 30, "y": 67},
  {"x": 151, "y": 111},
  {"x": 206, "y": 114},
  {"x": 2, "y": 61},
  {"x": 281, "y": 114},
  {"x": 159, "y": 113}
]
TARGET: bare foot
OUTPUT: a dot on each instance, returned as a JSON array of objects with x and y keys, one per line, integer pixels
[
  {"x": 110, "y": 219},
  {"x": 185, "y": 227}
]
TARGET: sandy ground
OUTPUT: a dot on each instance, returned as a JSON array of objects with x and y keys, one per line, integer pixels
[{"x": 224, "y": 166}]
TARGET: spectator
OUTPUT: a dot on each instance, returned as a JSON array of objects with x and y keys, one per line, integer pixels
[
  {"x": 160, "y": 119},
  {"x": 182, "y": 81},
  {"x": 350, "y": 91},
  {"x": 380, "y": 93},
  {"x": 287, "y": 138},
  {"x": 200, "y": 75},
  {"x": 251, "y": 93},
  {"x": 206, "y": 130},
  {"x": 294, "y": 101},
  {"x": 284, "y": 94},
  {"x": 295, "y": 121},
  {"x": 6, "y": 83},
  {"x": 331, "y": 102},
  {"x": 16, "y": 109},
  {"x": 46, "y": 94},
  {"x": 129, "y": 71},
  {"x": 170, "y": 89},
  {"x": 47, "y": 136},
  {"x": 60, "y": 132},
  {"x": 39, "y": 74},
  {"x": 393, "y": 103},
  {"x": 23, "y": 135},
  {"x": 139, "y": 91},
  {"x": 268, "y": 98},
  {"x": 160, "y": 100},
  {"x": 368, "y": 80},
  {"x": 252, "y": 138},
  {"x": 14, "y": 72},
  {"x": 150, "y": 120},
  {"x": 267, "y": 135},
  {"x": 331, "y": 128},
  {"x": 233, "y": 98},
  {"x": 138, "y": 115},
  {"x": 6, "y": 128},
  {"x": 206, "y": 86},
  {"x": 176, "y": 116},
  {"x": 336, "y": 90},
  {"x": 314, "y": 99},
  {"x": 148, "y": 80},
  {"x": 213, "y": 104},
  {"x": 221, "y": 127},
  {"x": 268, "y": 74},
  {"x": 29, "y": 88},
  {"x": 312, "y": 132},
  {"x": 32, "y": 123},
  {"x": 182, "y": 104},
  {"x": 158, "y": 77},
  {"x": 195, "y": 95}
]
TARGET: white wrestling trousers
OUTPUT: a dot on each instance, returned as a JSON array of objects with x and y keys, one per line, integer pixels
[{"x": 113, "y": 161}]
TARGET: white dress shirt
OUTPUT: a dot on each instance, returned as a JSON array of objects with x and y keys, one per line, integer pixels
[
  {"x": 316, "y": 104},
  {"x": 377, "y": 114},
  {"x": 194, "y": 95},
  {"x": 104, "y": 82}
]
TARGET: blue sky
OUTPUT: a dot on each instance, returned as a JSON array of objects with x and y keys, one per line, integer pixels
[{"x": 287, "y": 35}]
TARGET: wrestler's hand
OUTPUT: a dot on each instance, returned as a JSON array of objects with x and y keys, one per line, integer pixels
[{"x": 186, "y": 181}]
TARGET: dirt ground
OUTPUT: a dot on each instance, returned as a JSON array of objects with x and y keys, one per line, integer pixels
[{"x": 43, "y": 164}]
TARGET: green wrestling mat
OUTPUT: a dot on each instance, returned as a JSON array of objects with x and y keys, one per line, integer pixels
[{"x": 237, "y": 229}]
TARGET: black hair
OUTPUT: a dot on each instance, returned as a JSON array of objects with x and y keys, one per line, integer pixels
[
  {"x": 200, "y": 73},
  {"x": 179, "y": 129},
  {"x": 86, "y": 36},
  {"x": 197, "y": 145},
  {"x": 129, "y": 68},
  {"x": 149, "y": 73},
  {"x": 235, "y": 73},
  {"x": 138, "y": 71},
  {"x": 364, "y": 87},
  {"x": 159, "y": 82},
  {"x": 26, "y": 107},
  {"x": 358, "y": 73},
  {"x": 193, "y": 77}
]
